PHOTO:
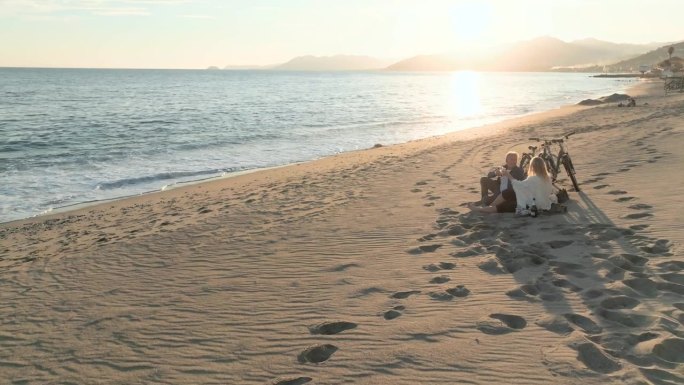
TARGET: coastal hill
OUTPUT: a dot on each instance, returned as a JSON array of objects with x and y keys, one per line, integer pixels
[
  {"x": 540, "y": 54},
  {"x": 650, "y": 58},
  {"x": 333, "y": 63},
  {"x": 248, "y": 67},
  {"x": 321, "y": 63}
]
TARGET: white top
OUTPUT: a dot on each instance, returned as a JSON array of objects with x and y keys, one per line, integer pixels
[
  {"x": 534, "y": 187},
  {"x": 504, "y": 183}
]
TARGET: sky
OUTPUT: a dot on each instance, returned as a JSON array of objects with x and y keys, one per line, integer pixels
[{"x": 202, "y": 33}]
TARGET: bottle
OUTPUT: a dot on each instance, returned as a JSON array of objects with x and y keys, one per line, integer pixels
[{"x": 533, "y": 210}]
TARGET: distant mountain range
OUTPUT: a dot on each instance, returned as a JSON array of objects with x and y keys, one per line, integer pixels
[
  {"x": 540, "y": 54},
  {"x": 324, "y": 63}
]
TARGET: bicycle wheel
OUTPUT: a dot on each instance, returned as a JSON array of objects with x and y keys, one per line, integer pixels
[
  {"x": 570, "y": 169},
  {"x": 551, "y": 166},
  {"x": 525, "y": 162}
]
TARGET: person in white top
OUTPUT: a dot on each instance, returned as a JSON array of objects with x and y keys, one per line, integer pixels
[{"x": 536, "y": 189}]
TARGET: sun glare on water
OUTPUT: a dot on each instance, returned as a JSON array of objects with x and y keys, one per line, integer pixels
[{"x": 465, "y": 94}]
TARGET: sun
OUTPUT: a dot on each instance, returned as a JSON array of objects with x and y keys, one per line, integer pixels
[{"x": 470, "y": 21}]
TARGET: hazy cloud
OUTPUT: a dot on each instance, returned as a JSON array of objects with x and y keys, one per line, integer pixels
[
  {"x": 94, "y": 7},
  {"x": 208, "y": 17}
]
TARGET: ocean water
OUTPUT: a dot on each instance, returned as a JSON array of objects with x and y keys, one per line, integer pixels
[{"x": 69, "y": 136}]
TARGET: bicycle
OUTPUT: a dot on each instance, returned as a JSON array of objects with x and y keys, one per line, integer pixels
[
  {"x": 527, "y": 157},
  {"x": 553, "y": 162}
]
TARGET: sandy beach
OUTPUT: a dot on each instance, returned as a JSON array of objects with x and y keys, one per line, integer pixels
[{"x": 368, "y": 268}]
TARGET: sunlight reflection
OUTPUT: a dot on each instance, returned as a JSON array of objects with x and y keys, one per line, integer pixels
[{"x": 465, "y": 93}]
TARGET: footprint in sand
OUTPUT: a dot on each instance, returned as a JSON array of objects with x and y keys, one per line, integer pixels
[
  {"x": 459, "y": 291},
  {"x": 427, "y": 237},
  {"x": 671, "y": 265},
  {"x": 658, "y": 376},
  {"x": 637, "y": 215},
  {"x": 555, "y": 324},
  {"x": 440, "y": 279},
  {"x": 559, "y": 244},
  {"x": 440, "y": 296},
  {"x": 628, "y": 262},
  {"x": 455, "y": 230},
  {"x": 671, "y": 287},
  {"x": 447, "y": 212},
  {"x": 441, "y": 266},
  {"x": 465, "y": 253},
  {"x": 564, "y": 283},
  {"x": 624, "y": 199},
  {"x": 673, "y": 277},
  {"x": 635, "y": 260},
  {"x": 595, "y": 359},
  {"x": 330, "y": 328},
  {"x": 640, "y": 206},
  {"x": 601, "y": 186},
  {"x": 429, "y": 248},
  {"x": 492, "y": 266},
  {"x": 566, "y": 268},
  {"x": 586, "y": 324},
  {"x": 404, "y": 294},
  {"x": 344, "y": 267},
  {"x": 617, "y": 192},
  {"x": 661, "y": 246},
  {"x": 670, "y": 350},
  {"x": 527, "y": 291},
  {"x": 619, "y": 302},
  {"x": 643, "y": 286},
  {"x": 626, "y": 318},
  {"x": 317, "y": 354},
  {"x": 593, "y": 294},
  {"x": 292, "y": 381},
  {"x": 499, "y": 323},
  {"x": 393, "y": 313},
  {"x": 424, "y": 249}
]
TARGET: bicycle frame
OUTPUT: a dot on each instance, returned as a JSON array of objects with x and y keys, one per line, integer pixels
[{"x": 554, "y": 162}]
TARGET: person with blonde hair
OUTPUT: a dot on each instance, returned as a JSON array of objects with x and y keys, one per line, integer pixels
[{"x": 535, "y": 189}]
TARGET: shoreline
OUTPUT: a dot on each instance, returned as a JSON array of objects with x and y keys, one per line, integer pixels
[
  {"x": 47, "y": 214},
  {"x": 186, "y": 184},
  {"x": 84, "y": 205}
]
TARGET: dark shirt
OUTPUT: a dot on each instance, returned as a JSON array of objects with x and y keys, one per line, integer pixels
[{"x": 516, "y": 172}]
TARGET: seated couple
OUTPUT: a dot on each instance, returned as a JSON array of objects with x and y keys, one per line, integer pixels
[{"x": 515, "y": 192}]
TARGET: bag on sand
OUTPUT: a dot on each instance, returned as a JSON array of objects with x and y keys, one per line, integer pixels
[
  {"x": 558, "y": 208},
  {"x": 562, "y": 196}
]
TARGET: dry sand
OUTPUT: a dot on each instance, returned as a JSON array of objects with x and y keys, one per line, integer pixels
[{"x": 365, "y": 268}]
